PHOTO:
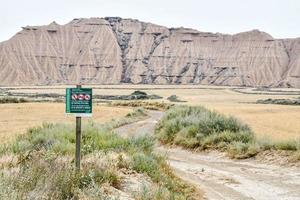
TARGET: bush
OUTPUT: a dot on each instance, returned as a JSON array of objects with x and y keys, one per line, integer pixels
[
  {"x": 285, "y": 145},
  {"x": 174, "y": 98},
  {"x": 241, "y": 150},
  {"x": 12, "y": 100},
  {"x": 169, "y": 186},
  {"x": 139, "y": 93},
  {"x": 291, "y": 145},
  {"x": 197, "y": 127},
  {"x": 146, "y": 164},
  {"x": 279, "y": 101}
]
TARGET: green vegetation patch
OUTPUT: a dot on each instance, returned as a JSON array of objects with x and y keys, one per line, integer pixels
[
  {"x": 39, "y": 164},
  {"x": 295, "y": 102},
  {"x": 136, "y": 95},
  {"x": 47, "y": 97},
  {"x": 12, "y": 100},
  {"x": 174, "y": 98},
  {"x": 144, "y": 104},
  {"x": 200, "y": 128},
  {"x": 196, "y": 127}
]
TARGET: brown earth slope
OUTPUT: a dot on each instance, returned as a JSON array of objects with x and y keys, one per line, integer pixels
[{"x": 114, "y": 50}]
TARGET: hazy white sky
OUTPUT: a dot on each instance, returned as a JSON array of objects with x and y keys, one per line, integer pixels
[{"x": 280, "y": 18}]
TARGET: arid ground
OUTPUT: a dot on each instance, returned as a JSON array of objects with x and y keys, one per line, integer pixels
[
  {"x": 277, "y": 122},
  {"x": 220, "y": 177},
  {"x": 213, "y": 173}
]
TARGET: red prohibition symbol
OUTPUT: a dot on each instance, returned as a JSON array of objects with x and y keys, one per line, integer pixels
[
  {"x": 80, "y": 97},
  {"x": 74, "y": 96},
  {"x": 87, "y": 97}
]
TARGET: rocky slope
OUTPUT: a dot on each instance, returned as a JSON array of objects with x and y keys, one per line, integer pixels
[{"x": 113, "y": 50}]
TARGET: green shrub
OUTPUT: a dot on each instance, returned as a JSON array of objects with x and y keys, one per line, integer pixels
[
  {"x": 12, "y": 100},
  {"x": 285, "y": 145},
  {"x": 146, "y": 164},
  {"x": 295, "y": 102},
  {"x": 242, "y": 150},
  {"x": 139, "y": 93},
  {"x": 197, "y": 127},
  {"x": 174, "y": 98},
  {"x": 265, "y": 143},
  {"x": 169, "y": 186},
  {"x": 291, "y": 145}
]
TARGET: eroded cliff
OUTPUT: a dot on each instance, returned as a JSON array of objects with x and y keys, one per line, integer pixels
[{"x": 113, "y": 50}]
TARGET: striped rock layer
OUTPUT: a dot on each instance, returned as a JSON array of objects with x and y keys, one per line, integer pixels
[{"x": 113, "y": 50}]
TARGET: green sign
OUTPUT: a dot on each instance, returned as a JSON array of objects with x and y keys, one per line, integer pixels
[{"x": 79, "y": 101}]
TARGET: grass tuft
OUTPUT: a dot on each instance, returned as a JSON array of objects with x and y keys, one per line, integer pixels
[{"x": 43, "y": 168}]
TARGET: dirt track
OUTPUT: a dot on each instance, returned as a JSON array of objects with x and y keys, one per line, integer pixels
[{"x": 222, "y": 178}]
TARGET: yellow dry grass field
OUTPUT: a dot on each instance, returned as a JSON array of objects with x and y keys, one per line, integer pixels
[
  {"x": 274, "y": 121},
  {"x": 278, "y": 122},
  {"x": 17, "y": 118}
]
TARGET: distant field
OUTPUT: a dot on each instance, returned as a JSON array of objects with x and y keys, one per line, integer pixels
[
  {"x": 16, "y": 118},
  {"x": 276, "y": 121}
]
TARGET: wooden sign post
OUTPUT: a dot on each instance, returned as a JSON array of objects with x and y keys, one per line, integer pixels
[
  {"x": 78, "y": 140},
  {"x": 79, "y": 103}
]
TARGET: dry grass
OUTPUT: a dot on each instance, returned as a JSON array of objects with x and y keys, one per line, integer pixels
[
  {"x": 280, "y": 122},
  {"x": 276, "y": 121},
  {"x": 16, "y": 118},
  {"x": 111, "y": 165}
]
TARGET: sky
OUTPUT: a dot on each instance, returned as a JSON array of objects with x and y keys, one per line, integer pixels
[{"x": 280, "y": 18}]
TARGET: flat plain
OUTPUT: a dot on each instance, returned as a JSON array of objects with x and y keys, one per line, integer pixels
[
  {"x": 17, "y": 118},
  {"x": 278, "y": 122}
]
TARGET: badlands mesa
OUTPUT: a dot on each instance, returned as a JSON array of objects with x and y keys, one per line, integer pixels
[{"x": 113, "y": 50}]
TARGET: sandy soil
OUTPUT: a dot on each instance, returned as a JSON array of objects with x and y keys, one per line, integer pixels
[{"x": 223, "y": 178}]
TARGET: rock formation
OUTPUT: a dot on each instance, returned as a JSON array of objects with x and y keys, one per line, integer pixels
[{"x": 113, "y": 50}]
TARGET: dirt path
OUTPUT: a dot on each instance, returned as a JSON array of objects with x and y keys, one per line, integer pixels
[{"x": 222, "y": 178}]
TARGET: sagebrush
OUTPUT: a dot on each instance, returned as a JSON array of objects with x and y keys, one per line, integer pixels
[{"x": 196, "y": 127}]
